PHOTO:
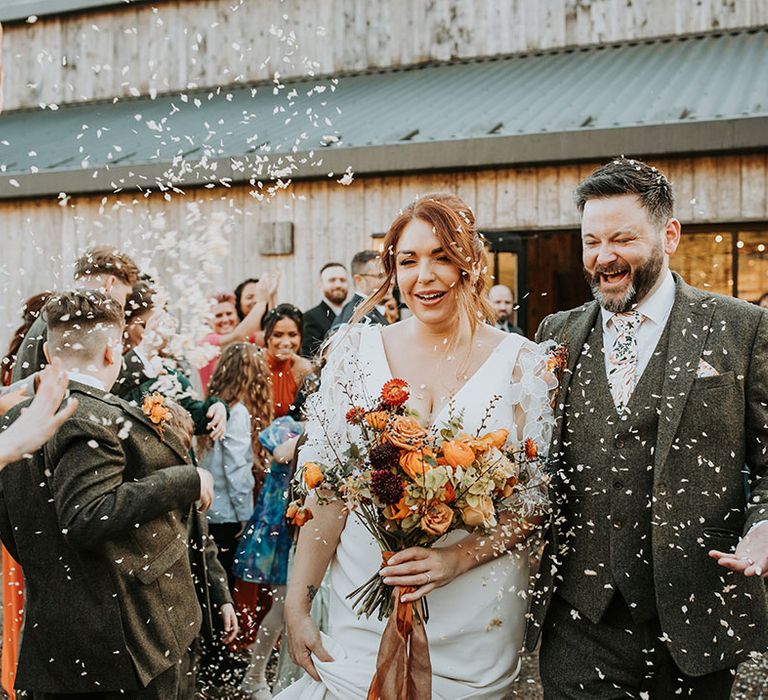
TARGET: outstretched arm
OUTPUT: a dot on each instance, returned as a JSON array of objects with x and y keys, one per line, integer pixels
[{"x": 751, "y": 555}]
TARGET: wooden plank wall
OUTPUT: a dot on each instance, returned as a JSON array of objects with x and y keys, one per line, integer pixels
[
  {"x": 331, "y": 222},
  {"x": 183, "y": 43}
]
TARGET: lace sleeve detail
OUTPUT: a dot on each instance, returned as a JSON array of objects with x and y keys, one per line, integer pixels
[
  {"x": 325, "y": 410},
  {"x": 533, "y": 389}
]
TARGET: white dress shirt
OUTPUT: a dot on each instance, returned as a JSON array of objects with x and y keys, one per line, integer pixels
[
  {"x": 655, "y": 311},
  {"x": 86, "y": 379}
]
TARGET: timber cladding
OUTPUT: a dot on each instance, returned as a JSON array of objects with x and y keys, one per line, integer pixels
[
  {"x": 169, "y": 46},
  {"x": 332, "y": 221}
]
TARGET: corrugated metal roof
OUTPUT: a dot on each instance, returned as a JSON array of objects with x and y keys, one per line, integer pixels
[
  {"x": 590, "y": 96},
  {"x": 18, "y": 10}
]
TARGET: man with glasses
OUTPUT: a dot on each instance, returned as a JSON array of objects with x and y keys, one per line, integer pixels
[{"x": 367, "y": 276}]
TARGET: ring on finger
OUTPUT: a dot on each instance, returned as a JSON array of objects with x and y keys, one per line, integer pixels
[{"x": 429, "y": 578}]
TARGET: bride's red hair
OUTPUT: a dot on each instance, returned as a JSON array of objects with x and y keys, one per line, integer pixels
[{"x": 453, "y": 223}]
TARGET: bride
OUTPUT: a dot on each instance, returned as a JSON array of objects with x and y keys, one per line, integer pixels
[{"x": 455, "y": 362}]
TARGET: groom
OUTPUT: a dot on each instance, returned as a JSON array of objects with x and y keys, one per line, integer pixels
[{"x": 661, "y": 472}]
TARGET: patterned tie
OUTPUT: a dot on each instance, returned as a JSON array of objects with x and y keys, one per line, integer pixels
[{"x": 622, "y": 360}]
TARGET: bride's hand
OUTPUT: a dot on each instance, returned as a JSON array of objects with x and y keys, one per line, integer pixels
[
  {"x": 303, "y": 641},
  {"x": 422, "y": 567}
]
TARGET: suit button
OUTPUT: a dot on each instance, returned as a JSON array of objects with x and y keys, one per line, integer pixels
[
  {"x": 620, "y": 442},
  {"x": 617, "y": 485},
  {"x": 617, "y": 524}
]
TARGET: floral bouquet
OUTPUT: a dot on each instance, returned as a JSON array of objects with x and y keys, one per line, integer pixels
[{"x": 409, "y": 487}]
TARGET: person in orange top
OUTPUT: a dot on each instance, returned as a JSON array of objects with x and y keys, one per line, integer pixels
[{"x": 266, "y": 587}]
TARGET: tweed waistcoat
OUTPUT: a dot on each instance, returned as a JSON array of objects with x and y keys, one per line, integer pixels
[{"x": 608, "y": 475}]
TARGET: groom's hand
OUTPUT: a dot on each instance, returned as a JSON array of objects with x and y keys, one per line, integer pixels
[{"x": 751, "y": 555}]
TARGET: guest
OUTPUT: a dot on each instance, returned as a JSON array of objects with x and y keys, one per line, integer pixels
[
  {"x": 503, "y": 302},
  {"x": 247, "y": 295},
  {"x": 237, "y": 462},
  {"x": 391, "y": 309},
  {"x": 106, "y": 269},
  {"x": 282, "y": 331},
  {"x": 12, "y": 576},
  {"x": 209, "y": 416},
  {"x": 262, "y": 556},
  {"x": 30, "y": 310},
  {"x": 209, "y": 576},
  {"x": 334, "y": 285},
  {"x": 227, "y": 329},
  {"x": 367, "y": 276},
  {"x": 102, "y": 545}
]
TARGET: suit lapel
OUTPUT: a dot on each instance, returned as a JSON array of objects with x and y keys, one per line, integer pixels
[
  {"x": 689, "y": 325},
  {"x": 574, "y": 333}
]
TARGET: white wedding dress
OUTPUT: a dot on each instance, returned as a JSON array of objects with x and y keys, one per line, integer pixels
[{"x": 477, "y": 622}]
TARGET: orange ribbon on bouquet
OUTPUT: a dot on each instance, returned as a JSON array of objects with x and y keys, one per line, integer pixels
[{"x": 403, "y": 667}]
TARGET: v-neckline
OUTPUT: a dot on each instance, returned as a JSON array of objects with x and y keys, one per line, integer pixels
[{"x": 435, "y": 416}]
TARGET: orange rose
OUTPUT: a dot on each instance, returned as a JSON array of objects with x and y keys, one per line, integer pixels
[
  {"x": 479, "y": 515},
  {"x": 399, "y": 511},
  {"x": 313, "y": 475},
  {"x": 377, "y": 419},
  {"x": 406, "y": 433},
  {"x": 437, "y": 519},
  {"x": 450, "y": 493},
  {"x": 414, "y": 463},
  {"x": 458, "y": 453},
  {"x": 482, "y": 444},
  {"x": 497, "y": 438},
  {"x": 302, "y": 517}
]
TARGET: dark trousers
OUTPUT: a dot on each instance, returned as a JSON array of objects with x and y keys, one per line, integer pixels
[
  {"x": 615, "y": 658},
  {"x": 224, "y": 535},
  {"x": 172, "y": 684}
]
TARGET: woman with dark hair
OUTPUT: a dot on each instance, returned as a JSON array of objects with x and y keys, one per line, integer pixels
[
  {"x": 13, "y": 579},
  {"x": 30, "y": 310},
  {"x": 262, "y": 555}
]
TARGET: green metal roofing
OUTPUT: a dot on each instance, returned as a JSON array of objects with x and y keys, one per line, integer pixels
[
  {"x": 683, "y": 95},
  {"x": 20, "y": 10}
]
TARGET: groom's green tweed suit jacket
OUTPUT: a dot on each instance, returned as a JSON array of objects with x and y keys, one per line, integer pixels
[
  {"x": 96, "y": 520},
  {"x": 713, "y": 430}
]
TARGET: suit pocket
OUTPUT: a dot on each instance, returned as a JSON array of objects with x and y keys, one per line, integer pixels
[
  {"x": 158, "y": 564},
  {"x": 720, "y": 533},
  {"x": 705, "y": 383}
]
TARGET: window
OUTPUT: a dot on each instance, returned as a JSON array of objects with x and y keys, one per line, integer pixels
[{"x": 727, "y": 260}]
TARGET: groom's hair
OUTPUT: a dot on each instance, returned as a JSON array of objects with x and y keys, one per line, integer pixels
[
  {"x": 81, "y": 323},
  {"x": 629, "y": 176}
]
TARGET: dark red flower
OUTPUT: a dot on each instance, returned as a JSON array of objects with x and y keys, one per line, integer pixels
[
  {"x": 386, "y": 486},
  {"x": 384, "y": 456}
]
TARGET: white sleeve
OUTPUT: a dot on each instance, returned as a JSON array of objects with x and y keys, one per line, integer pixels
[
  {"x": 533, "y": 387},
  {"x": 237, "y": 456},
  {"x": 327, "y": 429}
]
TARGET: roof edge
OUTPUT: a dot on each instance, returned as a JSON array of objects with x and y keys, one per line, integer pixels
[{"x": 695, "y": 138}]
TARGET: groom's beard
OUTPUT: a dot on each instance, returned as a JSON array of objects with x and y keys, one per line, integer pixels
[{"x": 641, "y": 282}]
